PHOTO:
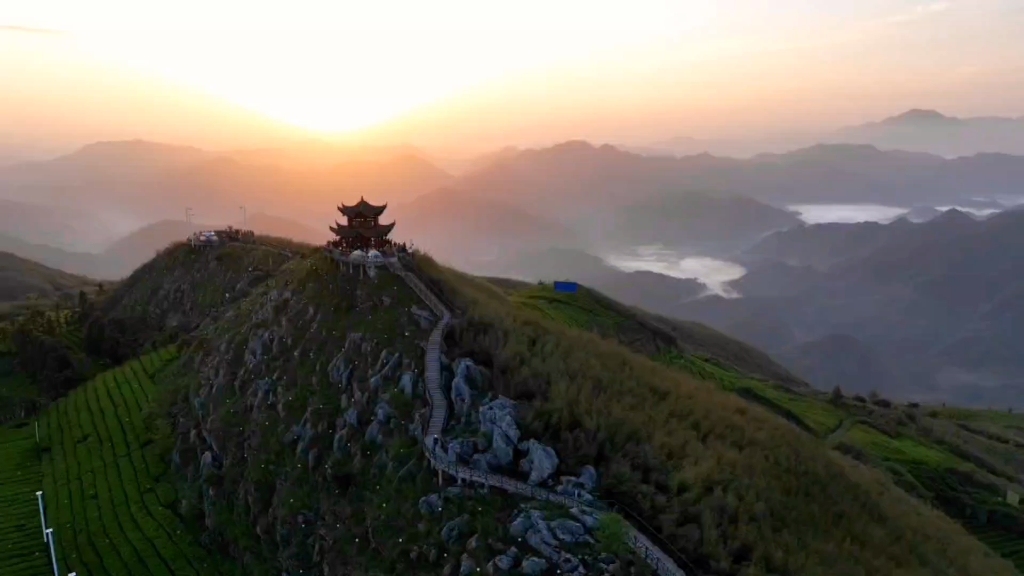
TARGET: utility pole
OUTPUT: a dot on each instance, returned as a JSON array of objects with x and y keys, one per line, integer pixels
[
  {"x": 53, "y": 555},
  {"x": 188, "y": 215},
  {"x": 244, "y": 219},
  {"x": 42, "y": 517}
]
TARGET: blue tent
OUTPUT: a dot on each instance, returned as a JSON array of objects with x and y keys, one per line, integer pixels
[{"x": 565, "y": 286}]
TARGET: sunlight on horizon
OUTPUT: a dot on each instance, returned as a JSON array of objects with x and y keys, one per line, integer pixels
[{"x": 381, "y": 62}]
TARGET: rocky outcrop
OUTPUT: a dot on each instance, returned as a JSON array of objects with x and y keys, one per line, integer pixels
[{"x": 540, "y": 462}]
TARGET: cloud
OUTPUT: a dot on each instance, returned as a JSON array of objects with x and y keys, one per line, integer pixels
[{"x": 28, "y": 30}]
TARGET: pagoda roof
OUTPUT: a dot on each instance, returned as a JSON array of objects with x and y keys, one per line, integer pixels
[
  {"x": 362, "y": 208},
  {"x": 379, "y": 231}
]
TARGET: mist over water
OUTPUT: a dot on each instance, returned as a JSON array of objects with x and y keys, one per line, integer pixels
[
  {"x": 712, "y": 272},
  {"x": 846, "y": 213}
]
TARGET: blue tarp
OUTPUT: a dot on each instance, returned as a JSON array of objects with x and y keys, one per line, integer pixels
[{"x": 565, "y": 286}]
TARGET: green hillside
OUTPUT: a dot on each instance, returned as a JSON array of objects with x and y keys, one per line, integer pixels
[
  {"x": 958, "y": 460},
  {"x": 281, "y": 458},
  {"x": 101, "y": 466}
]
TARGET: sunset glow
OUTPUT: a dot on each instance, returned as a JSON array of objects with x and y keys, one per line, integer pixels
[{"x": 479, "y": 74}]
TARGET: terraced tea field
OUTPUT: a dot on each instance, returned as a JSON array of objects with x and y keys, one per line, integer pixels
[
  {"x": 22, "y": 550},
  {"x": 100, "y": 474}
]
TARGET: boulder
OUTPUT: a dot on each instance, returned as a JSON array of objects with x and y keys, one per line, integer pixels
[
  {"x": 337, "y": 369},
  {"x": 588, "y": 477},
  {"x": 498, "y": 416},
  {"x": 407, "y": 384},
  {"x": 520, "y": 526},
  {"x": 351, "y": 418},
  {"x": 480, "y": 462},
  {"x": 540, "y": 462},
  {"x": 461, "y": 449},
  {"x": 502, "y": 452},
  {"x": 588, "y": 519},
  {"x": 504, "y": 562},
  {"x": 373, "y": 432},
  {"x": 568, "y": 531},
  {"x": 431, "y": 503},
  {"x": 533, "y": 566},
  {"x": 568, "y": 564},
  {"x": 453, "y": 530},
  {"x": 383, "y": 412},
  {"x": 461, "y": 395},
  {"x": 467, "y": 566}
]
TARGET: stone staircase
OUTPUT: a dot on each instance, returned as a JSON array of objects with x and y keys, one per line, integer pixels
[{"x": 641, "y": 544}]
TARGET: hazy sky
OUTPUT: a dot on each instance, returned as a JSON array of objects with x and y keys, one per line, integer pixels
[{"x": 484, "y": 73}]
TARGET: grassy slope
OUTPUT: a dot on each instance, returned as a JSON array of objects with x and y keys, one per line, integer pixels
[
  {"x": 764, "y": 496},
  {"x": 20, "y": 277},
  {"x": 100, "y": 471},
  {"x": 910, "y": 451}
]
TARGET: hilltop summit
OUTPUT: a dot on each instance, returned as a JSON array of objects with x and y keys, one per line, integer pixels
[{"x": 296, "y": 406}]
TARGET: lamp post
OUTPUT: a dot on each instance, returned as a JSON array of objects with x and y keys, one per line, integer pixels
[
  {"x": 244, "y": 218},
  {"x": 53, "y": 555},
  {"x": 188, "y": 215},
  {"x": 42, "y": 517}
]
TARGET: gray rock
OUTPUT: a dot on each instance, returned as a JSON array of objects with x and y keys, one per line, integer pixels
[
  {"x": 383, "y": 412},
  {"x": 461, "y": 449},
  {"x": 337, "y": 368},
  {"x": 391, "y": 368},
  {"x": 505, "y": 562},
  {"x": 407, "y": 384},
  {"x": 473, "y": 542},
  {"x": 453, "y": 530},
  {"x": 424, "y": 317},
  {"x": 589, "y": 520},
  {"x": 513, "y": 553},
  {"x": 568, "y": 531},
  {"x": 376, "y": 381},
  {"x": 607, "y": 559},
  {"x": 499, "y": 415},
  {"x": 373, "y": 432},
  {"x": 588, "y": 477},
  {"x": 461, "y": 395},
  {"x": 416, "y": 428},
  {"x": 534, "y": 566},
  {"x": 567, "y": 563},
  {"x": 431, "y": 503},
  {"x": 473, "y": 374},
  {"x": 543, "y": 542},
  {"x": 352, "y": 417},
  {"x": 502, "y": 450},
  {"x": 340, "y": 445},
  {"x": 540, "y": 462},
  {"x": 468, "y": 565},
  {"x": 520, "y": 526}
]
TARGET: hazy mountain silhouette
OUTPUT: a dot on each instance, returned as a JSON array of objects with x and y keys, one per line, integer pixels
[
  {"x": 932, "y": 132},
  {"x": 139, "y": 182},
  {"x": 939, "y": 303},
  {"x": 21, "y": 278},
  {"x": 577, "y": 181}
]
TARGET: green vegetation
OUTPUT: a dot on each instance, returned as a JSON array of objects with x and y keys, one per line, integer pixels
[
  {"x": 22, "y": 550},
  {"x": 740, "y": 490},
  {"x": 964, "y": 473},
  {"x": 100, "y": 465},
  {"x": 712, "y": 468},
  {"x": 612, "y": 531}
]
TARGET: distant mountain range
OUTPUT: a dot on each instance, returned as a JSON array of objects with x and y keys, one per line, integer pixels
[
  {"x": 915, "y": 130},
  {"x": 932, "y": 310},
  {"x": 932, "y": 132},
  {"x": 21, "y": 278}
]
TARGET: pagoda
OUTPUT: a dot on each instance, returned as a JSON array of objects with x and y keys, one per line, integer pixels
[{"x": 363, "y": 231}]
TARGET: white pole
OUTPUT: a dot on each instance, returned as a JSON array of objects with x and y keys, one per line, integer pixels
[
  {"x": 37, "y": 431},
  {"x": 42, "y": 517},
  {"x": 244, "y": 218},
  {"x": 53, "y": 555}
]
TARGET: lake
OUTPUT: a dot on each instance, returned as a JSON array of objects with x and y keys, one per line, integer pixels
[{"x": 711, "y": 272}]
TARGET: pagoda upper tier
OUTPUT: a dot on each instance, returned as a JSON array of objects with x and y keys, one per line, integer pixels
[
  {"x": 363, "y": 230},
  {"x": 362, "y": 209}
]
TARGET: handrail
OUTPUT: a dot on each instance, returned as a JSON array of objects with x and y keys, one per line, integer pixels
[{"x": 662, "y": 563}]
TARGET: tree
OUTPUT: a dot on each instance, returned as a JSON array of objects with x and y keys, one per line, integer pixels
[{"x": 836, "y": 396}]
